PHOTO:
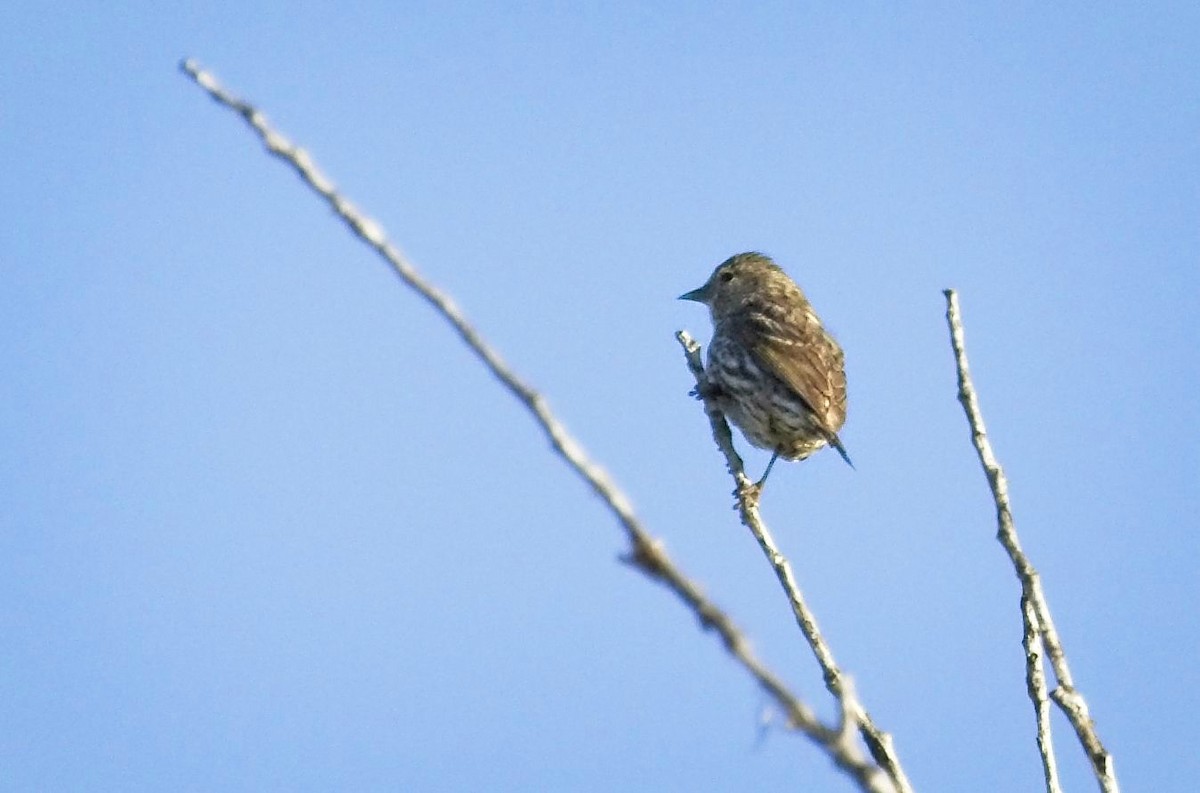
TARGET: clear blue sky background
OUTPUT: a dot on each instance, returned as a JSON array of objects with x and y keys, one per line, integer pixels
[{"x": 264, "y": 524}]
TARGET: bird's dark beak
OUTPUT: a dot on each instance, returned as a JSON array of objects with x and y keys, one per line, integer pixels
[{"x": 699, "y": 295}]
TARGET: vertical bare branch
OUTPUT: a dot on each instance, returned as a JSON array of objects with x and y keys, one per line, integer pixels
[
  {"x": 878, "y": 741},
  {"x": 1035, "y": 609},
  {"x": 1035, "y": 683},
  {"x": 646, "y": 553}
]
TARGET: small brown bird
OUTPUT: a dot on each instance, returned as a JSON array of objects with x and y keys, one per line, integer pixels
[{"x": 772, "y": 368}]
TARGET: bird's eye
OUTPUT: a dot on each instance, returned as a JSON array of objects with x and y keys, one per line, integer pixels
[{"x": 726, "y": 277}]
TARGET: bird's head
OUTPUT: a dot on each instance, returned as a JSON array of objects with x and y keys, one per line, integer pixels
[{"x": 734, "y": 281}]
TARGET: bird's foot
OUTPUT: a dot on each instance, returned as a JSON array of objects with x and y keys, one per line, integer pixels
[
  {"x": 748, "y": 492},
  {"x": 706, "y": 390}
]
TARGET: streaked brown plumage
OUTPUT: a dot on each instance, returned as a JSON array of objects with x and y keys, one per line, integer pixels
[{"x": 774, "y": 370}]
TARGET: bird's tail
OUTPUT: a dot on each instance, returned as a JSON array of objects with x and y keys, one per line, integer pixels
[{"x": 836, "y": 443}]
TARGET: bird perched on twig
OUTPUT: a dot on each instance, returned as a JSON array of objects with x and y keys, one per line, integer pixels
[{"x": 774, "y": 371}]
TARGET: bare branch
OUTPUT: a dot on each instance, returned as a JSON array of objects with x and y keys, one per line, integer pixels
[
  {"x": 878, "y": 741},
  {"x": 646, "y": 553},
  {"x": 1034, "y": 604},
  {"x": 1035, "y": 683}
]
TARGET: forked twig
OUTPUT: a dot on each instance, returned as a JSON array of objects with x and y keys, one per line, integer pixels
[{"x": 1039, "y": 626}]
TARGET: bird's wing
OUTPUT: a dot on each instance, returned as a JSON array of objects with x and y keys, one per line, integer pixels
[{"x": 805, "y": 358}]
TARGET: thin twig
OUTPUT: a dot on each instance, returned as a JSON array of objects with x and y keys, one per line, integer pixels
[
  {"x": 1035, "y": 684},
  {"x": 836, "y": 682},
  {"x": 1064, "y": 694},
  {"x": 646, "y": 553}
]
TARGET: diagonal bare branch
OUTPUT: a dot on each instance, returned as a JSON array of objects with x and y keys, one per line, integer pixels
[
  {"x": 836, "y": 682},
  {"x": 1037, "y": 613},
  {"x": 646, "y": 553}
]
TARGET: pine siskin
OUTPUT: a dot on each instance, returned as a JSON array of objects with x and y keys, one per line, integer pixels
[{"x": 773, "y": 369}]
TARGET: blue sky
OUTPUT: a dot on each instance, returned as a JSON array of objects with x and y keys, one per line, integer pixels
[{"x": 266, "y": 525}]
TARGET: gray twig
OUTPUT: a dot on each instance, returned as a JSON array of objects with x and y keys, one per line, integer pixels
[
  {"x": 836, "y": 682},
  {"x": 1039, "y": 626}
]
